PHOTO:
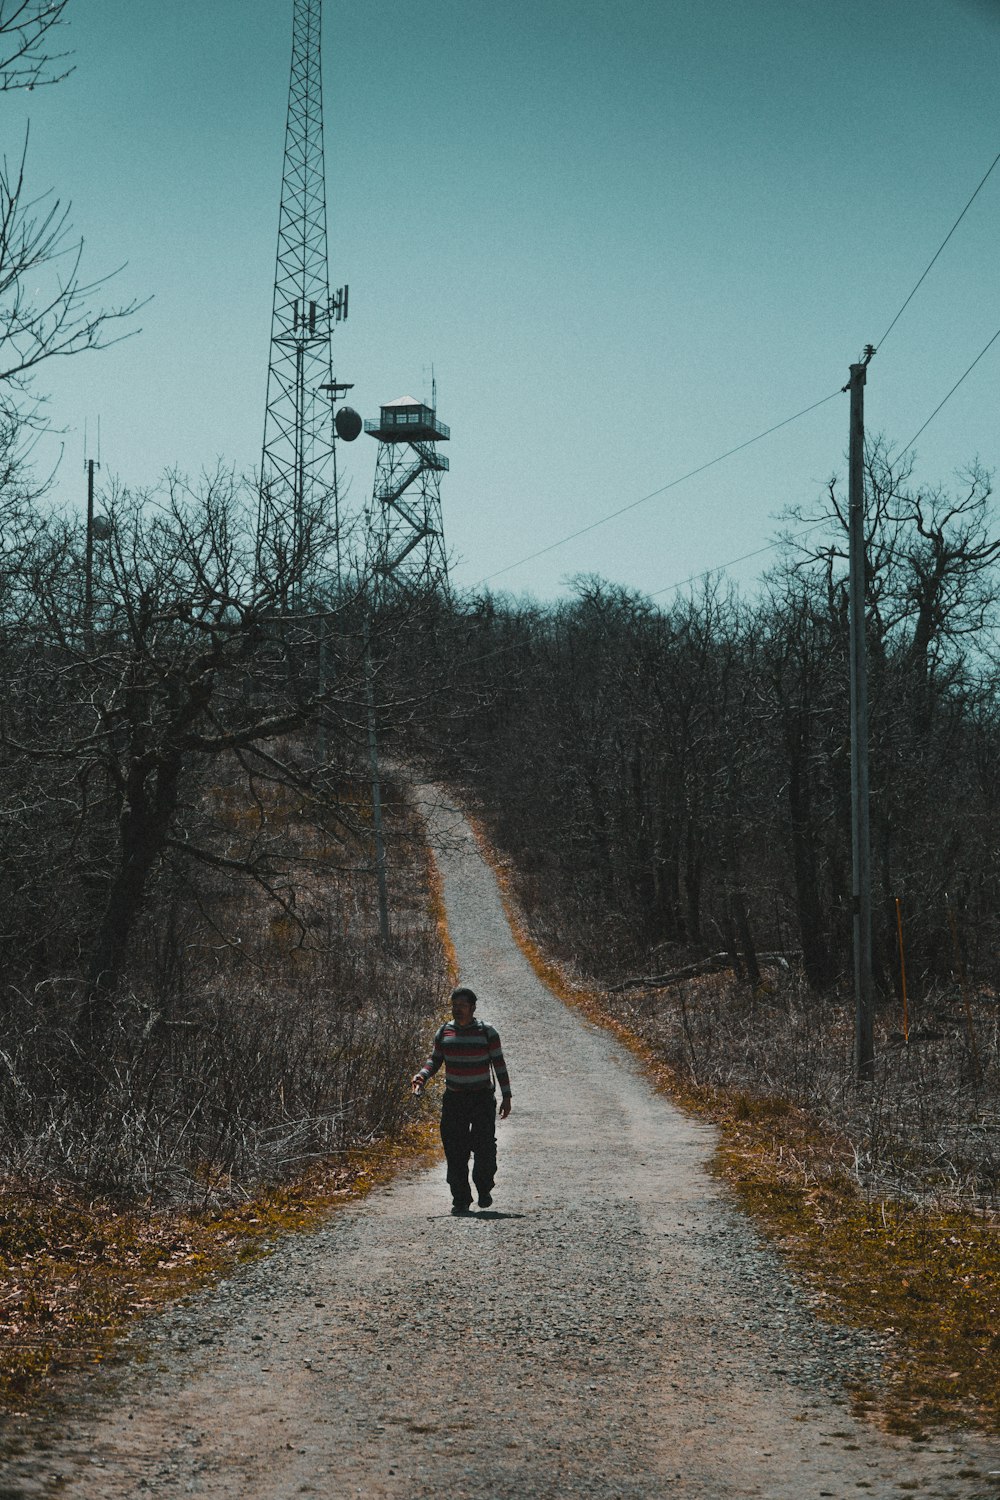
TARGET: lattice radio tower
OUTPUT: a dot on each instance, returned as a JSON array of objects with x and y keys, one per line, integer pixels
[
  {"x": 405, "y": 531},
  {"x": 299, "y": 463}
]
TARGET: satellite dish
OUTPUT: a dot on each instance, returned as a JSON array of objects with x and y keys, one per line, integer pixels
[
  {"x": 348, "y": 424},
  {"x": 100, "y": 528}
]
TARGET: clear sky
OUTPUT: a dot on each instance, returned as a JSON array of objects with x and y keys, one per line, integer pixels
[{"x": 627, "y": 235}]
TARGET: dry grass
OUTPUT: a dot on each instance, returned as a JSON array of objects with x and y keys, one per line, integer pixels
[
  {"x": 76, "y": 1271},
  {"x": 274, "y": 1034},
  {"x": 925, "y": 1276},
  {"x": 436, "y": 907},
  {"x": 261, "y": 1087},
  {"x": 883, "y": 1199}
]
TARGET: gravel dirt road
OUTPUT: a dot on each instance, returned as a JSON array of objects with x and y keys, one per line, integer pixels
[{"x": 613, "y": 1327}]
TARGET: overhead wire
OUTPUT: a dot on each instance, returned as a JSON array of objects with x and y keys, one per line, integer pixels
[
  {"x": 671, "y": 484},
  {"x": 921, "y": 279},
  {"x": 780, "y": 542},
  {"x": 701, "y": 468},
  {"x": 954, "y": 388},
  {"x": 744, "y": 557}
]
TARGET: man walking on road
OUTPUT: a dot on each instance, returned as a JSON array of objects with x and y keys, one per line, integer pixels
[{"x": 469, "y": 1049}]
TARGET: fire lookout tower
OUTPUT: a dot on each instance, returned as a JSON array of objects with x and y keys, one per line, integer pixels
[{"x": 405, "y": 529}]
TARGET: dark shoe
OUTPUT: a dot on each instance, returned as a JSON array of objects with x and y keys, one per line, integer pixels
[
  {"x": 485, "y": 1200},
  {"x": 460, "y": 1208}
]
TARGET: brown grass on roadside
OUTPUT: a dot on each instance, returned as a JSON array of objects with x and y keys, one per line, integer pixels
[
  {"x": 74, "y": 1273},
  {"x": 240, "y": 1135},
  {"x": 436, "y": 906},
  {"x": 924, "y": 1274}
]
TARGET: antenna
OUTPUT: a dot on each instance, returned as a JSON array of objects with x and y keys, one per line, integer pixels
[
  {"x": 298, "y": 472},
  {"x": 89, "y": 463}
]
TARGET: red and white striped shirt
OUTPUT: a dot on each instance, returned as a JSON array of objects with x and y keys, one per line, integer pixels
[{"x": 468, "y": 1053}]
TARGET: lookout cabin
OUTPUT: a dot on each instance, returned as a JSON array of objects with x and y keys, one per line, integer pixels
[{"x": 407, "y": 421}]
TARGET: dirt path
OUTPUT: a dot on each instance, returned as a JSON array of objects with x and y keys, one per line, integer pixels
[{"x": 612, "y": 1328}]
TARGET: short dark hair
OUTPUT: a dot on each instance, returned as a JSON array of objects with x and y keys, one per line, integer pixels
[{"x": 462, "y": 992}]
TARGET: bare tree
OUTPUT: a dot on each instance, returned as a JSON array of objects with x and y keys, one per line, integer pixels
[
  {"x": 657, "y": 775},
  {"x": 26, "y": 28},
  {"x": 189, "y": 658},
  {"x": 931, "y": 558},
  {"x": 48, "y": 307}
]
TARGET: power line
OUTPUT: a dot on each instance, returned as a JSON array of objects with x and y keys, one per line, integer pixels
[
  {"x": 624, "y": 509},
  {"x": 718, "y": 568},
  {"x": 632, "y": 505},
  {"x": 744, "y": 557},
  {"x": 951, "y": 393},
  {"x": 937, "y": 252},
  {"x": 772, "y": 546}
]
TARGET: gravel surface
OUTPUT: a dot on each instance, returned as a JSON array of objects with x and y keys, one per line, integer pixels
[{"x": 613, "y": 1327}]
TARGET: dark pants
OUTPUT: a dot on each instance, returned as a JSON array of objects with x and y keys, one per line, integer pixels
[{"x": 468, "y": 1124}]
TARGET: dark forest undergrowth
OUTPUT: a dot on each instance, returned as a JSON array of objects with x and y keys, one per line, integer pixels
[
  {"x": 235, "y": 1102},
  {"x": 884, "y": 1198}
]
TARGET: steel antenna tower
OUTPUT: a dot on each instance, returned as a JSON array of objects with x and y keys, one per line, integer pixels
[{"x": 298, "y": 466}]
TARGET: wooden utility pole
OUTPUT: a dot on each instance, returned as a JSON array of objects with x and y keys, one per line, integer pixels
[
  {"x": 864, "y": 989},
  {"x": 373, "y": 766},
  {"x": 88, "y": 562}
]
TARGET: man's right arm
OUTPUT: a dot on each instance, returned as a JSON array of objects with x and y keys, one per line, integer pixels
[{"x": 430, "y": 1067}]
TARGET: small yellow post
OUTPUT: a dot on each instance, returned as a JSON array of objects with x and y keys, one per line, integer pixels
[{"x": 902, "y": 970}]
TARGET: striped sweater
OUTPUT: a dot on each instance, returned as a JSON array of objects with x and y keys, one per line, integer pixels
[{"x": 467, "y": 1053}]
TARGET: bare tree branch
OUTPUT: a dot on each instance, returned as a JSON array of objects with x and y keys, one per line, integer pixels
[{"x": 25, "y": 32}]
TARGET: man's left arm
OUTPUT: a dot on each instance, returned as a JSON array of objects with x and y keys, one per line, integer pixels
[{"x": 500, "y": 1069}]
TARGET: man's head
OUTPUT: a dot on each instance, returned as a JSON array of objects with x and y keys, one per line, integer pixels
[{"x": 463, "y": 1005}]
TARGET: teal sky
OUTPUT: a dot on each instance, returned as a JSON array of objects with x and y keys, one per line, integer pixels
[{"x": 628, "y": 236}]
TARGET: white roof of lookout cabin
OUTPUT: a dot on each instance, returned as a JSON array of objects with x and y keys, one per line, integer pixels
[{"x": 403, "y": 401}]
